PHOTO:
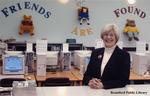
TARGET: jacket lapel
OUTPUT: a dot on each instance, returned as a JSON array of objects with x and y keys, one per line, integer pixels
[
  {"x": 100, "y": 58},
  {"x": 110, "y": 61}
]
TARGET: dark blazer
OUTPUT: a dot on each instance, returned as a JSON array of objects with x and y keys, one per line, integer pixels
[{"x": 116, "y": 72}]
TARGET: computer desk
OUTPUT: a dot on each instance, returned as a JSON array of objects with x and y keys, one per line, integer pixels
[
  {"x": 133, "y": 76},
  {"x": 30, "y": 76},
  {"x": 75, "y": 76},
  {"x": 58, "y": 74},
  {"x": 129, "y": 90}
]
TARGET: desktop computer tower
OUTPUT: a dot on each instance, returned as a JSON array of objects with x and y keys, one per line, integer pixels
[
  {"x": 148, "y": 55},
  {"x": 65, "y": 60},
  {"x": 29, "y": 61},
  {"x": 41, "y": 64}
]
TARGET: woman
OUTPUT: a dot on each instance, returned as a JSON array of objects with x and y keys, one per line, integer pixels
[{"x": 109, "y": 67}]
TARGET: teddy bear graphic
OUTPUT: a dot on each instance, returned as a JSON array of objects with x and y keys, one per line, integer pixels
[
  {"x": 131, "y": 30},
  {"x": 26, "y": 25}
]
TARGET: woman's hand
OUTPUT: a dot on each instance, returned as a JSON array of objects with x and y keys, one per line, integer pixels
[{"x": 95, "y": 83}]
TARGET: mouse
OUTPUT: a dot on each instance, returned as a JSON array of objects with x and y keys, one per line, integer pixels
[{"x": 29, "y": 78}]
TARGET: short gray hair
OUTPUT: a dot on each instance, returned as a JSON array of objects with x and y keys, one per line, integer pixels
[{"x": 108, "y": 27}]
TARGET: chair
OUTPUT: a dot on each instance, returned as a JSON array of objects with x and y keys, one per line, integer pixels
[
  {"x": 7, "y": 82},
  {"x": 57, "y": 82}
]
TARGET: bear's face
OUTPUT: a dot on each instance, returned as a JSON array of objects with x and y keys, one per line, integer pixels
[
  {"x": 27, "y": 20},
  {"x": 131, "y": 23}
]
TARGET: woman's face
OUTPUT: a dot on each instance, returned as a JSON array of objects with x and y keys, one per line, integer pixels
[{"x": 109, "y": 39}]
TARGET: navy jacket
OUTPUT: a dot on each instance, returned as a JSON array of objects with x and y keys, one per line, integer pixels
[{"x": 116, "y": 72}]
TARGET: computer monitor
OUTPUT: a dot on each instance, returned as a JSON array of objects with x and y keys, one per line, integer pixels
[
  {"x": 13, "y": 64},
  {"x": 69, "y": 40},
  {"x": 52, "y": 58},
  {"x": 81, "y": 59},
  {"x": 52, "y": 61}
]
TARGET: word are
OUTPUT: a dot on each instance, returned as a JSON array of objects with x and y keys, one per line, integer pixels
[{"x": 82, "y": 31}]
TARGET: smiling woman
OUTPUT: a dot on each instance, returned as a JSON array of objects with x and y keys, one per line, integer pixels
[
  {"x": 109, "y": 66},
  {"x": 110, "y": 35}
]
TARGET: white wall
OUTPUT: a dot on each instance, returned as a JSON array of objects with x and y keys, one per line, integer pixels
[{"x": 63, "y": 20}]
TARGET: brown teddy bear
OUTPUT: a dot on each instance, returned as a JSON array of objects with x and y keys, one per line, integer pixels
[
  {"x": 131, "y": 30},
  {"x": 26, "y": 25}
]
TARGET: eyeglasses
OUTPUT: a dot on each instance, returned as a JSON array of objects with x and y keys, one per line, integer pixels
[{"x": 109, "y": 34}]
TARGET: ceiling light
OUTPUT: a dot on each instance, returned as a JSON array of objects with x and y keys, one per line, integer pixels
[
  {"x": 131, "y": 1},
  {"x": 63, "y": 1}
]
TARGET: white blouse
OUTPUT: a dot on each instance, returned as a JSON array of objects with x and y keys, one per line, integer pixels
[{"x": 107, "y": 54}]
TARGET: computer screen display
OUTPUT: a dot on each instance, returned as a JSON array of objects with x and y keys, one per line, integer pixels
[{"x": 13, "y": 64}]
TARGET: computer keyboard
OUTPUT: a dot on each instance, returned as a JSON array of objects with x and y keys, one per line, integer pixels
[
  {"x": 5, "y": 91},
  {"x": 11, "y": 76}
]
